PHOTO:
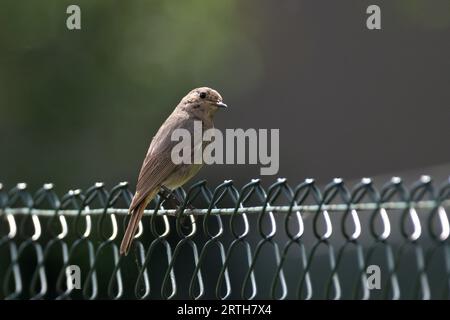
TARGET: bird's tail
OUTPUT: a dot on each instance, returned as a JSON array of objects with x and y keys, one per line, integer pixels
[{"x": 132, "y": 227}]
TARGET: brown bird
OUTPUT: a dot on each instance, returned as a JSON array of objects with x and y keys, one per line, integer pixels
[{"x": 158, "y": 170}]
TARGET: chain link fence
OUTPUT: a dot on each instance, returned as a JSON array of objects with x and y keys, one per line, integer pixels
[{"x": 280, "y": 242}]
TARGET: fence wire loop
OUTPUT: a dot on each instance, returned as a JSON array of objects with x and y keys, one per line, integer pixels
[{"x": 276, "y": 242}]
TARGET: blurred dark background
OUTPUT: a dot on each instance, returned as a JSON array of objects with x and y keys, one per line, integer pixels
[{"x": 81, "y": 106}]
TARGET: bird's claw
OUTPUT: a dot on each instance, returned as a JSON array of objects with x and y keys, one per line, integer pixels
[{"x": 174, "y": 199}]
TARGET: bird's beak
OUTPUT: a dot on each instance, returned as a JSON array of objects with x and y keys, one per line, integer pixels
[{"x": 220, "y": 104}]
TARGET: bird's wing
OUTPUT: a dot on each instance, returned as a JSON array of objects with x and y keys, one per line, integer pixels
[{"x": 158, "y": 164}]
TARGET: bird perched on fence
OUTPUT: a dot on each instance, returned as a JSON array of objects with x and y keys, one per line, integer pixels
[{"x": 158, "y": 170}]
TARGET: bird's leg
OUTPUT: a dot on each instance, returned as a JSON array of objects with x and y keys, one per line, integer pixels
[
  {"x": 168, "y": 195},
  {"x": 175, "y": 199}
]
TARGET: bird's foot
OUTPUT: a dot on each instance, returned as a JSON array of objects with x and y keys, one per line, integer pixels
[{"x": 174, "y": 199}]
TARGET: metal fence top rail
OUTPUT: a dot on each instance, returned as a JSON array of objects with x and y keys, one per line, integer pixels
[
  {"x": 428, "y": 204},
  {"x": 299, "y": 202},
  {"x": 350, "y": 200}
]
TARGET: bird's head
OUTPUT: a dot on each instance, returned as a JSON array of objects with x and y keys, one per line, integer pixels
[{"x": 202, "y": 102}]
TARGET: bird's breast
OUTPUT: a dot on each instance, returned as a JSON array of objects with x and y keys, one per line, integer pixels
[{"x": 181, "y": 175}]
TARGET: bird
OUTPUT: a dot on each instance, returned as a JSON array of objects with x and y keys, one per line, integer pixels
[{"x": 158, "y": 171}]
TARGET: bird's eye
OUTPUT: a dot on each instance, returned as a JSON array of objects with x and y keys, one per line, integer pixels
[{"x": 203, "y": 95}]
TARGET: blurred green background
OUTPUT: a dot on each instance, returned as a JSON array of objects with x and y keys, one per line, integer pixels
[{"x": 81, "y": 106}]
